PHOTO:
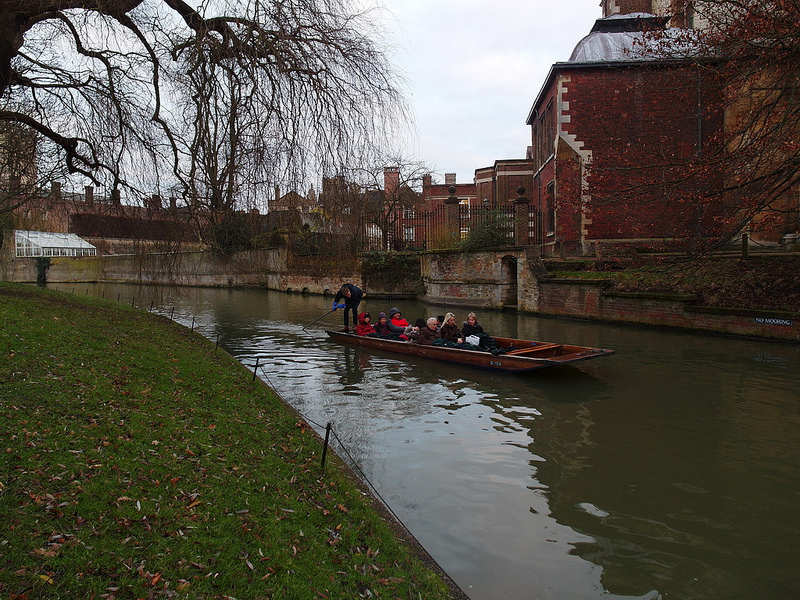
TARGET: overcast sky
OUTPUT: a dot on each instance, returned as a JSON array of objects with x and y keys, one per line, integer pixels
[{"x": 474, "y": 69}]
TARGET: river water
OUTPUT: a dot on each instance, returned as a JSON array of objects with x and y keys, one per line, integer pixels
[{"x": 669, "y": 470}]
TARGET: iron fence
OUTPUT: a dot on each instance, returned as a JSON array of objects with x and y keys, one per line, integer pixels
[{"x": 475, "y": 227}]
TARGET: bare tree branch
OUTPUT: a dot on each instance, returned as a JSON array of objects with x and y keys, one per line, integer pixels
[{"x": 299, "y": 86}]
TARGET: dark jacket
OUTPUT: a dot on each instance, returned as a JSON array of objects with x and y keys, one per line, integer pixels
[
  {"x": 355, "y": 295},
  {"x": 382, "y": 328},
  {"x": 451, "y": 332},
  {"x": 468, "y": 329},
  {"x": 426, "y": 336}
]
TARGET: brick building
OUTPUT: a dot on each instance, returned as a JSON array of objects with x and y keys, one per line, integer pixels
[
  {"x": 434, "y": 194},
  {"x": 499, "y": 184},
  {"x": 618, "y": 117}
]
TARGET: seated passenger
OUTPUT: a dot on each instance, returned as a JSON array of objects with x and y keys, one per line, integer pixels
[
  {"x": 412, "y": 331},
  {"x": 364, "y": 326},
  {"x": 471, "y": 326},
  {"x": 382, "y": 326},
  {"x": 397, "y": 324},
  {"x": 471, "y": 329},
  {"x": 450, "y": 330},
  {"x": 396, "y": 318},
  {"x": 428, "y": 333}
]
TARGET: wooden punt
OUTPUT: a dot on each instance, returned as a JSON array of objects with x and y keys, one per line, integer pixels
[{"x": 522, "y": 356}]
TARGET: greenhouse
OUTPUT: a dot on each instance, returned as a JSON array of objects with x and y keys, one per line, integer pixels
[{"x": 42, "y": 243}]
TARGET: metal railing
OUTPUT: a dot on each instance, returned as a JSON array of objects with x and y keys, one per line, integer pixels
[{"x": 476, "y": 226}]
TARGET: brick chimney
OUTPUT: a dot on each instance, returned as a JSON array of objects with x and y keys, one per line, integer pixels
[
  {"x": 391, "y": 180},
  {"x": 449, "y": 178}
]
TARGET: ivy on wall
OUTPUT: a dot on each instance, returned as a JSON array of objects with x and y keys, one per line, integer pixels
[
  {"x": 42, "y": 264},
  {"x": 389, "y": 262}
]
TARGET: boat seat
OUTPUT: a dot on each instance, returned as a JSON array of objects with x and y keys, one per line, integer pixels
[{"x": 532, "y": 349}]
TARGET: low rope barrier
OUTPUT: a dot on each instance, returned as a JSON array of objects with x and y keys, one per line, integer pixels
[{"x": 351, "y": 461}]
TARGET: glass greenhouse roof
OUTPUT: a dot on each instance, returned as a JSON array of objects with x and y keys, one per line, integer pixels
[{"x": 42, "y": 243}]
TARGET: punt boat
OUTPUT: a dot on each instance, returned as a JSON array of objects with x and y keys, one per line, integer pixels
[{"x": 519, "y": 356}]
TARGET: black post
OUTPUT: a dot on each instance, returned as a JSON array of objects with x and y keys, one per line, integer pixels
[
  {"x": 172, "y": 312},
  {"x": 325, "y": 446},
  {"x": 192, "y": 325},
  {"x": 216, "y": 345},
  {"x": 255, "y": 370}
]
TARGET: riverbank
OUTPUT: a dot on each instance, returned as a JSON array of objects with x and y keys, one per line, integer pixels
[
  {"x": 140, "y": 461},
  {"x": 755, "y": 296},
  {"x": 769, "y": 282}
]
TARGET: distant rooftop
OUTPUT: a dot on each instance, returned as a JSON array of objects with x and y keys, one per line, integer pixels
[{"x": 634, "y": 37}]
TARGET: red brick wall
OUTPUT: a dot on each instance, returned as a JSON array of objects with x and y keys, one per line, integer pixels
[
  {"x": 585, "y": 299},
  {"x": 569, "y": 224},
  {"x": 434, "y": 195},
  {"x": 485, "y": 185},
  {"x": 641, "y": 126},
  {"x": 499, "y": 183}
]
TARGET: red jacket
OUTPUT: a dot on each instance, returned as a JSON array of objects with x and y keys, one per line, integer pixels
[{"x": 364, "y": 328}]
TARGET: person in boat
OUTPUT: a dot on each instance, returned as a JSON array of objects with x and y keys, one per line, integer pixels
[
  {"x": 364, "y": 326},
  {"x": 471, "y": 326},
  {"x": 412, "y": 331},
  {"x": 439, "y": 321},
  {"x": 397, "y": 323},
  {"x": 450, "y": 330},
  {"x": 428, "y": 333},
  {"x": 351, "y": 295},
  {"x": 382, "y": 326}
]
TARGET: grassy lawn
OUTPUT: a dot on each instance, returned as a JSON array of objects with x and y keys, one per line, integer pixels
[{"x": 138, "y": 462}]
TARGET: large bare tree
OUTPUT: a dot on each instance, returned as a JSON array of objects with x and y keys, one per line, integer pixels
[
  {"x": 759, "y": 42},
  {"x": 210, "y": 97}
]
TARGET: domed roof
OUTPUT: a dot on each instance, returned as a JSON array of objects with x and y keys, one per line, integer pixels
[{"x": 635, "y": 36}]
